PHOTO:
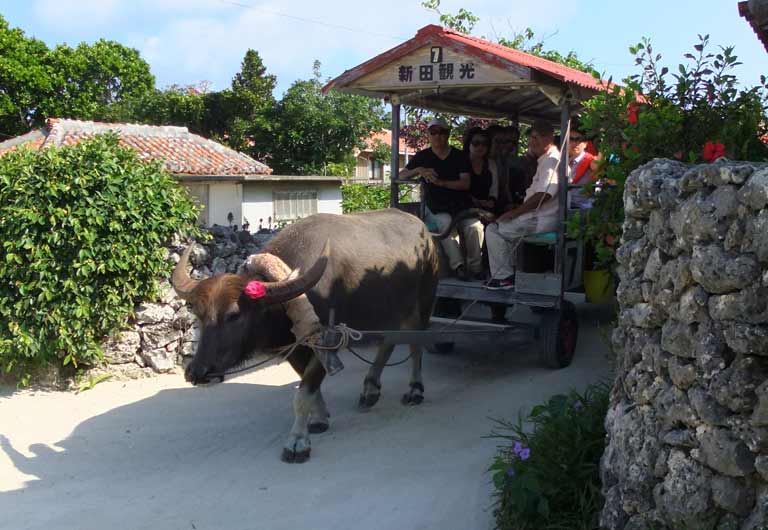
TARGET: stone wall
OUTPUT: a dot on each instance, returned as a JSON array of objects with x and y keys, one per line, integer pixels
[
  {"x": 688, "y": 420},
  {"x": 163, "y": 332}
]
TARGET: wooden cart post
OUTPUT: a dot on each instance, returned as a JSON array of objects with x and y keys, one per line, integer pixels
[{"x": 395, "y": 160}]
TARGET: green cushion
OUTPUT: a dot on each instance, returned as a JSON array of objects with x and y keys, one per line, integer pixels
[{"x": 545, "y": 238}]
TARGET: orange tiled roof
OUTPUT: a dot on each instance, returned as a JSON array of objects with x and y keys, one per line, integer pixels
[
  {"x": 182, "y": 152},
  {"x": 385, "y": 137}
]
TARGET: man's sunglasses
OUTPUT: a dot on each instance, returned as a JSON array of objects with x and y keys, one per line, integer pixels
[
  {"x": 575, "y": 138},
  {"x": 436, "y": 132},
  {"x": 476, "y": 143}
]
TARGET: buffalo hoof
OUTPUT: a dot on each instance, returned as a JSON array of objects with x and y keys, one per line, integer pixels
[
  {"x": 296, "y": 450},
  {"x": 318, "y": 427},
  {"x": 415, "y": 396},
  {"x": 367, "y": 401},
  {"x": 294, "y": 457}
]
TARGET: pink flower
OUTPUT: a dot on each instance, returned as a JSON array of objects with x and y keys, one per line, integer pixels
[
  {"x": 713, "y": 151},
  {"x": 255, "y": 290}
]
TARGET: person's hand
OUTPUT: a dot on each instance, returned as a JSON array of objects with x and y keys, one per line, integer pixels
[
  {"x": 488, "y": 205},
  {"x": 432, "y": 179},
  {"x": 427, "y": 173},
  {"x": 508, "y": 215}
]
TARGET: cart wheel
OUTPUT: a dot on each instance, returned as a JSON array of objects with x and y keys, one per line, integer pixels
[
  {"x": 560, "y": 330},
  {"x": 440, "y": 348}
]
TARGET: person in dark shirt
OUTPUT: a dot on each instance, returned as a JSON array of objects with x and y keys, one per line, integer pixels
[
  {"x": 446, "y": 173},
  {"x": 504, "y": 167},
  {"x": 483, "y": 189}
]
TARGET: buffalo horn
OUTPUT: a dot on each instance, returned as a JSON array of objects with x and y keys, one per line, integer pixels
[
  {"x": 181, "y": 281},
  {"x": 292, "y": 287}
]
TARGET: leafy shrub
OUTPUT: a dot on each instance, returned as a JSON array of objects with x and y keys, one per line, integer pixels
[
  {"x": 364, "y": 197},
  {"x": 547, "y": 476},
  {"x": 356, "y": 197},
  {"x": 694, "y": 113},
  {"x": 82, "y": 231}
]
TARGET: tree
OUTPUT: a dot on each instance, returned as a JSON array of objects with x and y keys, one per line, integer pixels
[
  {"x": 83, "y": 82},
  {"x": 25, "y": 80},
  {"x": 311, "y": 129},
  {"x": 92, "y": 77},
  {"x": 176, "y": 105},
  {"x": 526, "y": 42},
  {"x": 253, "y": 100},
  {"x": 463, "y": 21}
]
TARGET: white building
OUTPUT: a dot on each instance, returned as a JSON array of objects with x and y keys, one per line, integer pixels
[{"x": 233, "y": 188}]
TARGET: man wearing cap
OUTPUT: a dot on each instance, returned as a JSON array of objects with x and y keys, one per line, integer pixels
[
  {"x": 538, "y": 213},
  {"x": 446, "y": 173}
]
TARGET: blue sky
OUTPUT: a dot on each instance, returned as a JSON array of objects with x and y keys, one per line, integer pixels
[{"x": 187, "y": 41}]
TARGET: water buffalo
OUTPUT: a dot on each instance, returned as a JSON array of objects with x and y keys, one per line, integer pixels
[{"x": 376, "y": 270}]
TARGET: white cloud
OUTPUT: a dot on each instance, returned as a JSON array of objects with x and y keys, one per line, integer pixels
[
  {"x": 75, "y": 14},
  {"x": 186, "y": 41},
  {"x": 196, "y": 48}
]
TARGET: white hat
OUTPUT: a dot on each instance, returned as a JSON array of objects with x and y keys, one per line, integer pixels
[{"x": 438, "y": 123}]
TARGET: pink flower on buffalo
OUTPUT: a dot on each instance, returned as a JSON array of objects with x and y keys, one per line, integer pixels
[
  {"x": 713, "y": 151},
  {"x": 255, "y": 290}
]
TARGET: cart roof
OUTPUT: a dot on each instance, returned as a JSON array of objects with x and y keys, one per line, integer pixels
[{"x": 447, "y": 71}]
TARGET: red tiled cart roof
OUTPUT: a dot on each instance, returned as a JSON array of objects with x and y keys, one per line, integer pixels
[
  {"x": 759, "y": 26},
  {"x": 482, "y": 49}
]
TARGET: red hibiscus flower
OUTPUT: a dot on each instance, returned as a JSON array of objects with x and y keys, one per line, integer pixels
[
  {"x": 632, "y": 113},
  {"x": 713, "y": 151}
]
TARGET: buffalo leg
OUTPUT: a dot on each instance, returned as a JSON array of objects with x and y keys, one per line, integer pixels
[
  {"x": 415, "y": 394},
  {"x": 297, "y": 448},
  {"x": 319, "y": 418},
  {"x": 372, "y": 382},
  {"x": 318, "y": 421}
]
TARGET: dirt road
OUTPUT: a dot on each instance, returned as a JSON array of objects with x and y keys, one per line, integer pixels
[{"x": 160, "y": 454}]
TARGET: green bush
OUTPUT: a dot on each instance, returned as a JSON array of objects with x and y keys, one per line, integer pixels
[
  {"x": 546, "y": 474},
  {"x": 364, "y": 197},
  {"x": 82, "y": 231},
  {"x": 356, "y": 197}
]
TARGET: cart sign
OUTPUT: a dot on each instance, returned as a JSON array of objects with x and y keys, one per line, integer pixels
[{"x": 438, "y": 65}]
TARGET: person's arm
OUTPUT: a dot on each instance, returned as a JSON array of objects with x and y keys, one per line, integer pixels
[
  {"x": 408, "y": 174},
  {"x": 528, "y": 206},
  {"x": 546, "y": 179},
  {"x": 462, "y": 184},
  {"x": 416, "y": 168}
]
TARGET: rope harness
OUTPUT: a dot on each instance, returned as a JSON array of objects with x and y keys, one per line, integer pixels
[{"x": 324, "y": 343}]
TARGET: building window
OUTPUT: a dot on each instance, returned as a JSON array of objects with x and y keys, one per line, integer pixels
[
  {"x": 291, "y": 205},
  {"x": 200, "y": 194}
]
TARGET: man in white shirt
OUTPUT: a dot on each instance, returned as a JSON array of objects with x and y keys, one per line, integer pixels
[{"x": 539, "y": 212}]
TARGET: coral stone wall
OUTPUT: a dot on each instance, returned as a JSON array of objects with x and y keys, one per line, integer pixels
[{"x": 688, "y": 421}]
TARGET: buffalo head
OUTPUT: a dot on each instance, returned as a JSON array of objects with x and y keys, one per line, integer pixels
[{"x": 238, "y": 314}]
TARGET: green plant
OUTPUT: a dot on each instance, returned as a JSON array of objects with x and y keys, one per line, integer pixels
[
  {"x": 82, "y": 231},
  {"x": 694, "y": 115},
  {"x": 364, "y": 197},
  {"x": 381, "y": 152},
  {"x": 546, "y": 474}
]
